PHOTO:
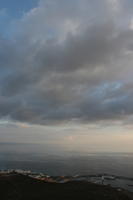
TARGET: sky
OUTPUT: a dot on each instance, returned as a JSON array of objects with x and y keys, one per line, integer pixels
[{"x": 66, "y": 73}]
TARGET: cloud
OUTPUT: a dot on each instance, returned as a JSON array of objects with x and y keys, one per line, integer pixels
[{"x": 68, "y": 61}]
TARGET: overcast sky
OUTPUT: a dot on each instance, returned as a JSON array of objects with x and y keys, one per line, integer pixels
[{"x": 66, "y": 73}]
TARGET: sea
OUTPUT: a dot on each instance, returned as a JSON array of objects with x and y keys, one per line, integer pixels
[{"x": 42, "y": 158}]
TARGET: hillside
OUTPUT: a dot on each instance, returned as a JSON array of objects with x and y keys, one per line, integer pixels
[{"x": 21, "y": 187}]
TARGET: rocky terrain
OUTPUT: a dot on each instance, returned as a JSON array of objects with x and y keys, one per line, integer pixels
[{"x": 20, "y": 186}]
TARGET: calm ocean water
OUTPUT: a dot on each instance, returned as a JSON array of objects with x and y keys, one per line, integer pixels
[{"x": 42, "y": 158}]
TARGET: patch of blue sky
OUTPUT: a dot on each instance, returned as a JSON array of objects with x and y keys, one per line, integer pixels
[
  {"x": 11, "y": 10},
  {"x": 16, "y": 8},
  {"x": 105, "y": 88},
  {"x": 119, "y": 99}
]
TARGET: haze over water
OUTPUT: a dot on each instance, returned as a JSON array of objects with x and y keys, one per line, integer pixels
[{"x": 38, "y": 158}]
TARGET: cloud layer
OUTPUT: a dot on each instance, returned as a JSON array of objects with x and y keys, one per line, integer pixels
[{"x": 69, "y": 61}]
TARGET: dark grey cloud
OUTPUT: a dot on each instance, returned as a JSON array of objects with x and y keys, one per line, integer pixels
[{"x": 68, "y": 60}]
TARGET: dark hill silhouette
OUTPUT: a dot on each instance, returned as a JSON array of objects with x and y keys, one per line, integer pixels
[{"x": 20, "y": 187}]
